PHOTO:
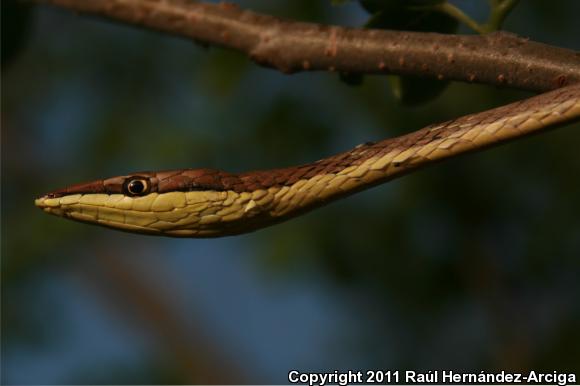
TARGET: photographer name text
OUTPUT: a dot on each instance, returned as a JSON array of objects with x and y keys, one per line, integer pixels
[{"x": 344, "y": 378}]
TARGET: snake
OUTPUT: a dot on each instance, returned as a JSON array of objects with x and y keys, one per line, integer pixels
[{"x": 212, "y": 203}]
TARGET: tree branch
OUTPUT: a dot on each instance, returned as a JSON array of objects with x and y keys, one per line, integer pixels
[{"x": 499, "y": 58}]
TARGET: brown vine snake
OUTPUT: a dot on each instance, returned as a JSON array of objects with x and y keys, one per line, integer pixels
[{"x": 212, "y": 203}]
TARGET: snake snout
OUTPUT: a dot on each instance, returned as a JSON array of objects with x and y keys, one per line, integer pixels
[
  {"x": 47, "y": 202},
  {"x": 39, "y": 202}
]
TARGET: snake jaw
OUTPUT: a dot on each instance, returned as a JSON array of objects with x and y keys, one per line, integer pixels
[
  {"x": 178, "y": 214},
  {"x": 49, "y": 205},
  {"x": 59, "y": 205},
  {"x": 45, "y": 202}
]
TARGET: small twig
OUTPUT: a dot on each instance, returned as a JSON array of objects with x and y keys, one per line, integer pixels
[
  {"x": 459, "y": 15},
  {"x": 499, "y": 11},
  {"x": 499, "y": 59}
]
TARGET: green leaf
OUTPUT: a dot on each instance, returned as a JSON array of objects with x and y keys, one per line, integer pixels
[
  {"x": 374, "y": 6},
  {"x": 406, "y": 19},
  {"x": 404, "y": 15},
  {"x": 414, "y": 91},
  {"x": 339, "y": 2},
  {"x": 352, "y": 79}
]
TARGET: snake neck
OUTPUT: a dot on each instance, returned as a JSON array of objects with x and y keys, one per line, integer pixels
[{"x": 295, "y": 190}]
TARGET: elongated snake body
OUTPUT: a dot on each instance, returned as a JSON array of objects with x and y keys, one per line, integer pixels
[{"x": 213, "y": 203}]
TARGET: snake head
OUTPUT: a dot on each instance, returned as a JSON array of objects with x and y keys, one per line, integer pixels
[{"x": 181, "y": 203}]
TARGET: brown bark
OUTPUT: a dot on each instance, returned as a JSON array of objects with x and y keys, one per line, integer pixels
[{"x": 500, "y": 58}]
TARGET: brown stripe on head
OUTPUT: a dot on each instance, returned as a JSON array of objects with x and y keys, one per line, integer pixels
[
  {"x": 108, "y": 186},
  {"x": 196, "y": 179},
  {"x": 217, "y": 180},
  {"x": 86, "y": 187}
]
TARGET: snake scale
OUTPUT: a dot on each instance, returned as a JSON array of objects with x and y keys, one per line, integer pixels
[{"x": 212, "y": 203}]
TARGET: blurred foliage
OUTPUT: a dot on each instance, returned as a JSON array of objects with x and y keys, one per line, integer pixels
[
  {"x": 15, "y": 28},
  {"x": 471, "y": 264}
]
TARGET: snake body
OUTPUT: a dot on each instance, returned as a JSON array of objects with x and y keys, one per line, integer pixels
[{"x": 212, "y": 203}]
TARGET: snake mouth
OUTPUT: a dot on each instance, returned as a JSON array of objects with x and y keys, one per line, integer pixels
[
  {"x": 72, "y": 206},
  {"x": 59, "y": 205},
  {"x": 176, "y": 214},
  {"x": 46, "y": 201},
  {"x": 50, "y": 204}
]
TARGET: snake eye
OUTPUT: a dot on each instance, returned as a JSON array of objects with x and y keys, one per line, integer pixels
[{"x": 136, "y": 186}]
